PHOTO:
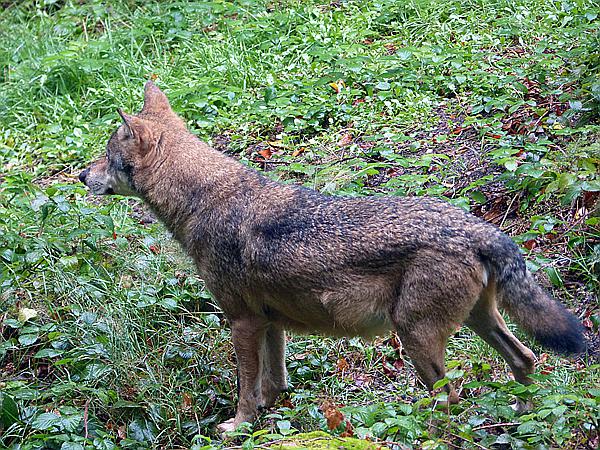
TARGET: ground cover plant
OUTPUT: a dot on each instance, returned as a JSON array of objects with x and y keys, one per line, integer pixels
[{"x": 108, "y": 339}]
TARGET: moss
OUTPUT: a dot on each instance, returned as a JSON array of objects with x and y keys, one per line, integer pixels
[{"x": 320, "y": 440}]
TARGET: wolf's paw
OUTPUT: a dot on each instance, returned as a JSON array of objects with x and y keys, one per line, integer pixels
[
  {"x": 269, "y": 396},
  {"x": 227, "y": 426}
]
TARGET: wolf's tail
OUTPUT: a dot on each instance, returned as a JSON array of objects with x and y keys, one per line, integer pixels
[{"x": 542, "y": 317}]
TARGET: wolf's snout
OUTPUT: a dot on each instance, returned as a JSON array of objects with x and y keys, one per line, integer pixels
[{"x": 83, "y": 175}]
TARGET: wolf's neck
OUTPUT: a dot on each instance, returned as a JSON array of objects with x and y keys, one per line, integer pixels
[{"x": 197, "y": 189}]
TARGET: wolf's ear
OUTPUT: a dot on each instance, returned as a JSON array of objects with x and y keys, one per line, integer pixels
[
  {"x": 139, "y": 130},
  {"x": 128, "y": 122},
  {"x": 154, "y": 100}
]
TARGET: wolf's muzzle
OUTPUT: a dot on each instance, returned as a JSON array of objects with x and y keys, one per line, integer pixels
[{"x": 83, "y": 175}]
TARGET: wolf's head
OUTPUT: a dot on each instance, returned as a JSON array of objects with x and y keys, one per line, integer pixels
[{"x": 136, "y": 145}]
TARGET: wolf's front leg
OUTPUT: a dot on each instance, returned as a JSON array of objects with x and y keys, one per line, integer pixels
[
  {"x": 273, "y": 371},
  {"x": 248, "y": 334}
]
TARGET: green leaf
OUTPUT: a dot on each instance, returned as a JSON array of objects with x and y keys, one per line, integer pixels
[
  {"x": 48, "y": 353},
  {"x": 511, "y": 165},
  {"x": 575, "y": 105},
  {"x": 70, "y": 423},
  {"x": 9, "y": 411},
  {"x": 594, "y": 392},
  {"x": 284, "y": 426},
  {"x": 478, "y": 196},
  {"x": 404, "y": 54},
  {"x": 528, "y": 427},
  {"x": 475, "y": 421},
  {"x": 28, "y": 339},
  {"x": 46, "y": 421},
  {"x": 554, "y": 276},
  {"x": 71, "y": 446},
  {"x": 269, "y": 93},
  {"x": 441, "y": 383},
  {"x": 503, "y": 439},
  {"x": 68, "y": 261},
  {"x": 142, "y": 430},
  {"x": 405, "y": 409},
  {"x": 169, "y": 303},
  {"x": 455, "y": 374},
  {"x": 12, "y": 323},
  {"x": 39, "y": 201}
]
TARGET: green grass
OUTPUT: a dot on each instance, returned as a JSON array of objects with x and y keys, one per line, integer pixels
[{"x": 490, "y": 104}]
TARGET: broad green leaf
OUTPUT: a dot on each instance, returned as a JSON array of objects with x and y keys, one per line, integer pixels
[
  {"x": 9, "y": 411},
  {"x": 46, "y": 421},
  {"x": 27, "y": 339}
]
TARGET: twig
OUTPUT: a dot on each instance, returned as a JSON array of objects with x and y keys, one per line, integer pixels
[
  {"x": 268, "y": 161},
  {"x": 84, "y": 26},
  {"x": 508, "y": 209},
  {"x": 2, "y": 319},
  {"x": 85, "y": 417},
  {"x": 278, "y": 441},
  {"x": 496, "y": 425}
]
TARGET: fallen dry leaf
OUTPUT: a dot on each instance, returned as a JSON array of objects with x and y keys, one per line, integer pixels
[
  {"x": 265, "y": 153},
  {"x": 349, "y": 431},
  {"x": 390, "y": 48},
  {"x": 298, "y": 151},
  {"x": 398, "y": 364},
  {"x": 345, "y": 140},
  {"x": 333, "y": 415},
  {"x": 186, "y": 401},
  {"x": 287, "y": 403},
  {"x": 342, "y": 365}
]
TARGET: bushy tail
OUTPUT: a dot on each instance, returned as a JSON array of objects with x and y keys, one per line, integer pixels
[{"x": 542, "y": 317}]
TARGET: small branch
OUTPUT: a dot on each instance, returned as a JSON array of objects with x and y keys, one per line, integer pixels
[
  {"x": 496, "y": 425},
  {"x": 269, "y": 161},
  {"x": 85, "y": 417},
  {"x": 84, "y": 26},
  {"x": 508, "y": 209}
]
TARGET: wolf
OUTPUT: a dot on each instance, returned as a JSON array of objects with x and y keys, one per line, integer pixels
[{"x": 280, "y": 257}]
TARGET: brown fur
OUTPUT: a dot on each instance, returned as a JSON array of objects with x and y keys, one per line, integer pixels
[{"x": 282, "y": 257}]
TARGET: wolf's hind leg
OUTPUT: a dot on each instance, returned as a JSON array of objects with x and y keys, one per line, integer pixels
[
  {"x": 273, "y": 371},
  {"x": 426, "y": 346},
  {"x": 486, "y": 321}
]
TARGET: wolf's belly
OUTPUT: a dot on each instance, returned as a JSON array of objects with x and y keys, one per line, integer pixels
[{"x": 310, "y": 314}]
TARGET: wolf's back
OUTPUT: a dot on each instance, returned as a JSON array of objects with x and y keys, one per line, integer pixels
[{"x": 544, "y": 318}]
